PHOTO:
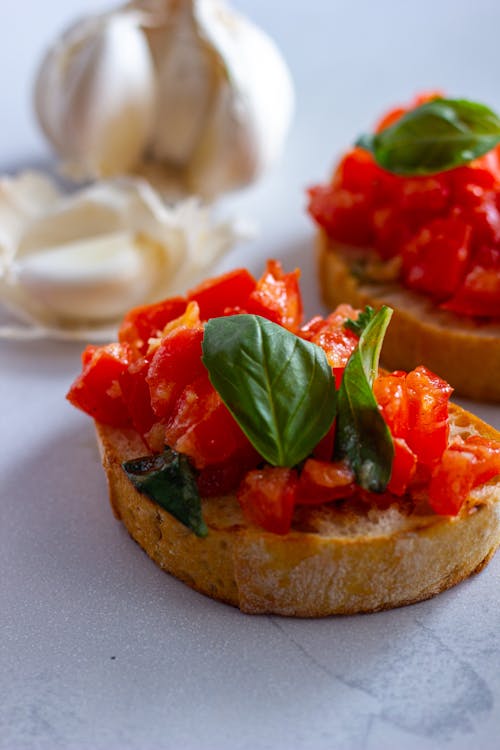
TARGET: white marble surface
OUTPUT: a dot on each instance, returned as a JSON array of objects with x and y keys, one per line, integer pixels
[{"x": 100, "y": 650}]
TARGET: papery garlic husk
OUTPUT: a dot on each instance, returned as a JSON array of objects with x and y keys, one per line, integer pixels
[
  {"x": 71, "y": 267},
  {"x": 217, "y": 96}
]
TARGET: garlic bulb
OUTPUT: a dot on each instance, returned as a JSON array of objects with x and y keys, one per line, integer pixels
[
  {"x": 186, "y": 92},
  {"x": 71, "y": 265}
]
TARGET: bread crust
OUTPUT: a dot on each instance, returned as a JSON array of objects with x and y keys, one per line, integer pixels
[
  {"x": 337, "y": 559},
  {"x": 461, "y": 350}
]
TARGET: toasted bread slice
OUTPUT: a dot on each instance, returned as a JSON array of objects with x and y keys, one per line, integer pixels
[
  {"x": 339, "y": 558},
  {"x": 465, "y": 352}
]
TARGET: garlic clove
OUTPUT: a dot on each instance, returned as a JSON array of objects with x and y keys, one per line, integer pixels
[
  {"x": 95, "y": 95},
  {"x": 94, "y": 279},
  {"x": 253, "y": 106},
  {"x": 187, "y": 80},
  {"x": 75, "y": 269}
]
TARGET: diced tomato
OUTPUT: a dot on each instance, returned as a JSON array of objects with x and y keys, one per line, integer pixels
[
  {"x": 97, "y": 390},
  {"x": 391, "y": 230},
  {"x": 230, "y": 290},
  {"x": 175, "y": 363},
  {"x": 464, "y": 465},
  {"x": 267, "y": 497},
  {"x": 404, "y": 467},
  {"x": 478, "y": 295},
  {"x": 392, "y": 397},
  {"x": 142, "y": 323},
  {"x": 323, "y": 451},
  {"x": 428, "y": 397},
  {"x": 424, "y": 196},
  {"x": 324, "y": 481},
  {"x": 357, "y": 172},
  {"x": 201, "y": 426},
  {"x": 435, "y": 259},
  {"x": 222, "y": 478},
  {"x": 136, "y": 395},
  {"x": 277, "y": 296},
  {"x": 343, "y": 214},
  {"x": 337, "y": 341}
]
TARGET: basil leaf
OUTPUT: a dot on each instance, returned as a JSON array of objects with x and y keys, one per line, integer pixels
[
  {"x": 362, "y": 436},
  {"x": 359, "y": 325},
  {"x": 169, "y": 480},
  {"x": 436, "y": 136},
  {"x": 278, "y": 387}
]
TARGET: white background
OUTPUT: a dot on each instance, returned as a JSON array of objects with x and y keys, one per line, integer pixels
[{"x": 99, "y": 648}]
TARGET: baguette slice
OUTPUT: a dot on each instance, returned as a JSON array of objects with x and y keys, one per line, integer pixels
[
  {"x": 464, "y": 352},
  {"x": 338, "y": 559}
]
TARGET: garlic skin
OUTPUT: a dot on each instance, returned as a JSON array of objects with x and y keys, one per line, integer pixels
[
  {"x": 95, "y": 95},
  {"x": 186, "y": 92},
  {"x": 72, "y": 265}
]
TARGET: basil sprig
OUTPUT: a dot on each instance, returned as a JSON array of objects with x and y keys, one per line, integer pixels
[
  {"x": 169, "y": 480},
  {"x": 362, "y": 436},
  {"x": 278, "y": 387},
  {"x": 436, "y": 136}
]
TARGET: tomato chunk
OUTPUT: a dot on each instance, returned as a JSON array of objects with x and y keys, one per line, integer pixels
[
  {"x": 337, "y": 341},
  {"x": 344, "y": 214},
  {"x": 435, "y": 259},
  {"x": 324, "y": 481},
  {"x": 97, "y": 390},
  {"x": 428, "y": 397},
  {"x": 201, "y": 426},
  {"x": 277, "y": 296},
  {"x": 142, "y": 323},
  {"x": 404, "y": 467},
  {"x": 230, "y": 290},
  {"x": 175, "y": 363},
  {"x": 392, "y": 397},
  {"x": 464, "y": 465},
  {"x": 267, "y": 497},
  {"x": 136, "y": 395},
  {"x": 479, "y": 295}
]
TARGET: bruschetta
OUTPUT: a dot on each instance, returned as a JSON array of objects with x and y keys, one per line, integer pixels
[
  {"x": 426, "y": 243},
  {"x": 269, "y": 464}
]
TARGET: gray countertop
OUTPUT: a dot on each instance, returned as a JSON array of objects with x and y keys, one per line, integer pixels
[{"x": 100, "y": 650}]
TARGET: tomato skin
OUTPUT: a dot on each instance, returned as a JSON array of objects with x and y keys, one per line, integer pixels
[
  {"x": 428, "y": 397},
  {"x": 392, "y": 397},
  {"x": 201, "y": 426},
  {"x": 324, "y": 481},
  {"x": 175, "y": 363},
  {"x": 148, "y": 321},
  {"x": 97, "y": 390},
  {"x": 478, "y": 295},
  {"x": 344, "y": 215},
  {"x": 267, "y": 498},
  {"x": 277, "y": 297},
  {"x": 464, "y": 465},
  {"x": 337, "y": 341},
  {"x": 224, "y": 477},
  {"x": 136, "y": 395},
  {"x": 404, "y": 467},
  {"x": 215, "y": 296},
  {"x": 436, "y": 258}
]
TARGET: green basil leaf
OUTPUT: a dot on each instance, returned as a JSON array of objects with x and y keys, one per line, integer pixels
[
  {"x": 169, "y": 480},
  {"x": 362, "y": 436},
  {"x": 436, "y": 136},
  {"x": 278, "y": 387},
  {"x": 359, "y": 325}
]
